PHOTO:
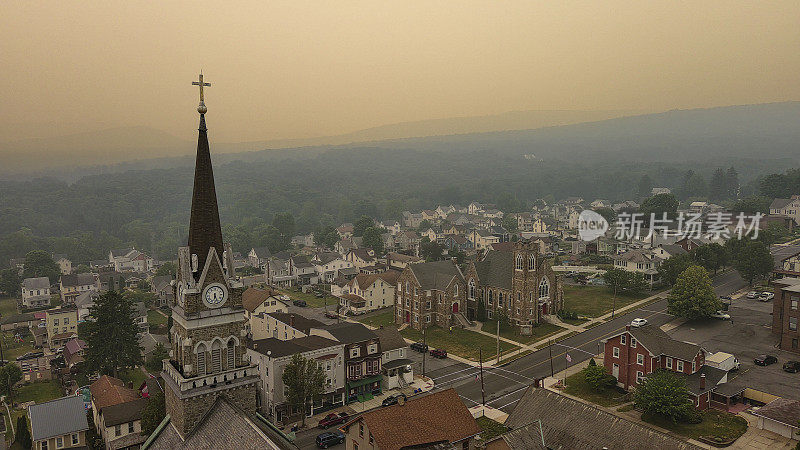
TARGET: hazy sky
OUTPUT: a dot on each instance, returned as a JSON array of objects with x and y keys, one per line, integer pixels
[{"x": 283, "y": 69}]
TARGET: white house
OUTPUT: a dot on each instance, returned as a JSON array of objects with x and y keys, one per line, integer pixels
[
  {"x": 789, "y": 207},
  {"x": 639, "y": 260},
  {"x": 35, "y": 292},
  {"x": 327, "y": 264},
  {"x": 375, "y": 291},
  {"x": 64, "y": 263},
  {"x": 130, "y": 259}
]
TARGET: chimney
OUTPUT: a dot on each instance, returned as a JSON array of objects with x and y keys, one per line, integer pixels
[
  {"x": 702, "y": 381},
  {"x": 291, "y": 320},
  {"x": 627, "y": 327}
]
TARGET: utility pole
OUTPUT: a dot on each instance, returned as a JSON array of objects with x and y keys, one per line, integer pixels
[
  {"x": 550, "y": 347},
  {"x": 425, "y": 353},
  {"x": 480, "y": 360},
  {"x": 498, "y": 341},
  {"x": 614, "y": 305}
]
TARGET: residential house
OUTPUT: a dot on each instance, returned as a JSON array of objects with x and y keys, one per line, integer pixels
[
  {"x": 643, "y": 261},
  {"x": 257, "y": 303},
  {"x": 787, "y": 265},
  {"x": 482, "y": 239},
  {"x": 660, "y": 190},
  {"x": 14, "y": 321},
  {"x": 327, "y": 264},
  {"x": 360, "y": 257},
  {"x": 272, "y": 355},
  {"x": 362, "y": 358},
  {"x": 278, "y": 270},
  {"x": 345, "y": 230},
  {"x": 431, "y": 293},
  {"x": 407, "y": 240},
  {"x": 164, "y": 290},
  {"x": 667, "y": 251},
  {"x": 577, "y": 425},
  {"x": 343, "y": 246},
  {"x": 429, "y": 215},
  {"x": 64, "y": 263},
  {"x": 84, "y": 303},
  {"x": 431, "y": 234},
  {"x": 633, "y": 354},
  {"x": 400, "y": 261},
  {"x": 35, "y": 292},
  {"x": 74, "y": 351},
  {"x": 789, "y": 207},
  {"x": 443, "y": 211},
  {"x": 516, "y": 282},
  {"x": 474, "y": 208},
  {"x": 303, "y": 240},
  {"x": 786, "y": 313},
  {"x": 37, "y": 369},
  {"x": 391, "y": 226},
  {"x": 140, "y": 316},
  {"x": 73, "y": 285},
  {"x": 369, "y": 292},
  {"x": 62, "y": 325},
  {"x": 303, "y": 271},
  {"x": 435, "y": 421},
  {"x": 780, "y": 416},
  {"x": 398, "y": 370},
  {"x": 286, "y": 326},
  {"x": 258, "y": 256},
  {"x": 572, "y": 219},
  {"x": 117, "y": 413},
  {"x": 130, "y": 259},
  {"x": 457, "y": 243},
  {"x": 412, "y": 220},
  {"x": 59, "y": 423}
]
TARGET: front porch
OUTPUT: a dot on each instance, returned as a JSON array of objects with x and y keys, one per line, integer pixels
[{"x": 363, "y": 389}]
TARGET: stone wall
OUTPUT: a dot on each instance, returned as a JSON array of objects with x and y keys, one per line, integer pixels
[{"x": 186, "y": 413}]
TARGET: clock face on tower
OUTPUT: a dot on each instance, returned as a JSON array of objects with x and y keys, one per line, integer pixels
[{"x": 214, "y": 295}]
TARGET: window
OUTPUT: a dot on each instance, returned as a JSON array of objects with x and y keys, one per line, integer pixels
[
  {"x": 455, "y": 290},
  {"x": 75, "y": 440},
  {"x": 416, "y": 318},
  {"x": 60, "y": 442},
  {"x": 231, "y": 354},
  {"x": 517, "y": 311},
  {"x": 371, "y": 441},
  {"x": 44, "y": 445},
  {"x": 616, "y": 352},
  {"x": 531, "y": 263},
  {"x": 55, "y": 322},
  {"x": 639, "y": 377},
  {"x": 794, "y": 343},
  {"x": 633, "y": 342},
  {"x": 489, "y": 314},
  {"x": 623, "y": 339},
  {"x": 130, "y": 427},
  {"x": 373, "y": 348},
  {"x": 544, "y": 288},
  {"x": 118, "y": 430},
  {"x": 518, "y": 264},
  {"x": 519, "y": 296},
  {"x": 428, "y": 305},
  {"x": 361, "y": 430},
  {"x": 640, "y": 359},
  {"x": 416, "y": 304},
  {"x": 471, "y": 291},
  {"x": 669, "y": 362},
  {"x": 408, "y": 303},
  {"x": 793, "y": 323},
  {"x": 66, "y": 320},
  {"x": 201, "y": 359},
  {"x": 354, "y": 352},
  {"x": 679, "y": 366},
  {"x": 428, "y": 319},
  {"x": 694, "y": 367},
  {"x": 216, "y": 357},
  {"x": 794, "y": 303}
]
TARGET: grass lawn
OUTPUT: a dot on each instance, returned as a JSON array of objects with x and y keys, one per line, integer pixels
[
  {"x": 594, "y": 301},
  {"x": 135, "y": 375},
  {"x": 40, "y": 391},
  {"x": 15, "y": 415},
  {"x": 490, "y": 428},
  {"x": 156, "y": 318},
  {"x": 576, "y": 385},
  {"x": 8, "y": 306},
  {"x": 12, "y": 348},
  {"x": 310, "y": 298},
  {"x": 715, "y": 423},
  {"x": 461, "y": 342},
  {"x": 575, "y": 321},
  {"x": 384, "y": 318},
  {"x": 509, "y": 331}
]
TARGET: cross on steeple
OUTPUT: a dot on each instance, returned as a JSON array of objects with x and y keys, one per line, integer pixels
[{"x": 201, "y": 108}]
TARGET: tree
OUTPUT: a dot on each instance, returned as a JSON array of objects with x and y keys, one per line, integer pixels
[
  {"x": 284, "y": 223},
  {"x": 670, "y": 269},
  {"x": 753, "y": 260},
  {"x": 693, "y": 296},
  {"x": 373, "y": 239},
  {"x": 718, "y": 186},
  {"x": 637, "y": 283},
  {"x": 616, "y": 279},
  {"x": 752, "y": 205},
  {"x": 607, "y": 214},
  {"x": 10, "y": 374},
  {"x": 510, "y": 223},
  {"x": 154, "y": 361},
  {"x": 693, "y": 185},
  {"x": 38, "y": 263},
  {"x": 598, "y": 378},
  {"x": 658, "y": 205},
  {"x": 82, "y": 268},
  {"x": 10, "y": 281},
  {"x": 23, "y": 437},
  {"x": 645, "y": 186},
  {"x": 362, "y": 224},
  {"x": 111, "y": 335},
  {"x": 480, "y": 313},
  {"x": 431, "y": 251},
  {"x": 773, "y": 233},
  {"x": 326, "y": 236},
  {"x": 270, "y": 237},
  {"x": 153, "y": 413},
  {"x": 167, "y": 268},
  {"x": 304, "y": 380},
  {"x": 731, "y": 183},
  {"x": 664, "y": 394},
  {"x": 424, "y": 225}
]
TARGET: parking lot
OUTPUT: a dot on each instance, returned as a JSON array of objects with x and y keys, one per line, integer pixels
[{"x": 747, "y": 335}]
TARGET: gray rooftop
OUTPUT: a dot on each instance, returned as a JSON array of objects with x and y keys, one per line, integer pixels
[
  {"x": 279, "y": 348},
  {"x": 57, "y": 417},
  {"x": 349, "y": 332},
  {"x": 436, "y": 275},
  {"x": 496, "y": 269},
  {"x": 36, "y": 283},
  {"x": 660, "y": 343}
]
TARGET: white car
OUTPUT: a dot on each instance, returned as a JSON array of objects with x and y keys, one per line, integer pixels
[
  {"x": 721, "y": 315},
  {"x": 766, "y": 296},
  {"x": 638, "y": 322},
  {"x": 752, "y": 294}
]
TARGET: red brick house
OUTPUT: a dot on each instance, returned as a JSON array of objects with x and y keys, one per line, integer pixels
[{"x": 637, "y": 352}]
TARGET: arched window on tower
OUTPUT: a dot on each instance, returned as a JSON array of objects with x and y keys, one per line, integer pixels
[
  {"x": 531, "y": 262},
  {"x": 201, "y": 359},
  {"x": 544, "y": 288},
  {"x": 518, "y": 264},
  {"x": 471, "y": 289},
  {"x": 216, "y": 356},
  {"x": 231, "y": 353}
]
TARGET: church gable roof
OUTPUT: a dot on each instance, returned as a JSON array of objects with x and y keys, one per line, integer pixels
[{"x": 496, "y": 269}]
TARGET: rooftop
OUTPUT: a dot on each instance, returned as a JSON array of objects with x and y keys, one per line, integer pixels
[
  {"x": 279, "y": 348},
  {"x": 57, "y": 417}
]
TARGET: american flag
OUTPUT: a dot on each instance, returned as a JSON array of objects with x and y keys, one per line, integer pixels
[{"x": 569, "y": 358}]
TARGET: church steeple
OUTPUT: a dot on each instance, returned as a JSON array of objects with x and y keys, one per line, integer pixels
[{"x": 204, "y": 226}]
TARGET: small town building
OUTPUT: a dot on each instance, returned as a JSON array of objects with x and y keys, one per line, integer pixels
[
  {"x": 59, "y": 423},
  {"x": 362, "y": 358},
  {"x": 35, "y": 292},
  {"x": 62, "y": 325},
  {"x": 117, "y": 412},
  {"x": 431, "y": 293}
]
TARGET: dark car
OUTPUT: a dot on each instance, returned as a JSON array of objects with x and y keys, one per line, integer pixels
[
  {"x": 301, "y": 303},
  {"x": 791, "y": 366},
  {"x": 393, "y": 399},
  {"x": 765, "y": 360},
  {"x": 439, "y": 353},
  {"x": 331, "y": 315},
  {"x": 333, "y": 419},
  {"x": 419, "y": 347},
  {"x": 328, "y": 438}
]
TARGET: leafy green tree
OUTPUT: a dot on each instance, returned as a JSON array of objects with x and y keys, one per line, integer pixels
[
  {"x": 304, "y": 380},
  {"x": 247, "y": 271},
  {"x": 607, "y": 214},
  {"x": 637, "y": 283},
  {"x": 598, "y": 378},
  {"x": 284, "y": 223},
  {"x": 752, "y": 260},
  {"x": 510, "y": 223},
  {"x": 38, "y": 263},
  {"x": 670, "y": 269},
  {"x": 658, "y": 205},
  {"x": 326, "y": 236},
  {"x": 23, "y": 437},
  {"x": 10, "y": 281},
  {"x": 645, "y": 186},
  {"x": 111, "y": 335},
  {"x": 431, "y": 251},
  {"x": 664, "y": 394},
  {"x": 154, "y": 361},
  {"x": 693, "y": 296},
  {"x": 616, "y": 279},
  {"x": 10, "y": 374},
  {"x": 153, "y": 413},
  {"x": 167, "y": 268},
  {"x": 780, "y": 185},
  {"x": 731, "y": 183},
  {"x": 480, "y": 313},
  {"x": 718, "y": 186},
  {"x": 692, "y": 185},
  {"x": 773, "y": 233},
  {"x": 751, "y": 205},
  {"x": 374, "y": 240},
  {"x": 361, "y": 225},
  {"x": 424, "y": 225},
  {"x": 82, "y": 268}
]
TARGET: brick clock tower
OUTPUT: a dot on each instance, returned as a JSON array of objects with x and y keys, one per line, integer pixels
[{"x": 207, "y": 358}]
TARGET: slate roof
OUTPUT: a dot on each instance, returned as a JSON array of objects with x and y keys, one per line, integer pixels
[
  {"x": 56, "y": 417},
  {"x": 660, "y": 343},
  {"x": 262, "y": 252},
  {"x": 390, "y": 338},
  {"x": 323, "y": 258},
  {"x": 118, "y": 252},
  {"x": 637, "y": 256},
  {"x": 297, "y": 321},
  {"x": 124, "y": 412},
  {"x": 578, "y": 426},
  {"x": 496, "y": 269},
  {"x": 80, "y": 279},
  {"x": 780, "y": 203},
  {"x": 781, "y": 410},
  {"x": 436, "y": 418},
  {"x": 36, "y": 283},
  {"x": 349, "y": 332},
  {"x": 673, "y": 249},
  {"x": 279, "y": 348},
  {"x": 252, "y": 298},
  {"x": 713, "y": 378},
  {"x": 436, "y": 275}
]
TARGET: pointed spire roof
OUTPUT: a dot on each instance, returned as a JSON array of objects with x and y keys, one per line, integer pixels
[{"x": 204, "y": 226}]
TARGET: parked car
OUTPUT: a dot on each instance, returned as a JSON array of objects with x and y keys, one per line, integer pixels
[
  {"x": 300, "y": 303},
  {"x": 638, "y": 322},
  {"x": 766, "y": 296},
  {"x": 419, "y": 347},
  {"x": 765, "y": 360},
  {"x": 752, "y": 294},
  {"x": 331, "y": 314},
  {"x": 726, "y": 297},
  {"x": 721, "y": 315},
  {"x": 328, "y": 438},
  {"x": 333, "y": 419},
  {"x": 393, "y": 399},
  {"x": 791, "y": 366},
  {"x": 439, "y": 353}
]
